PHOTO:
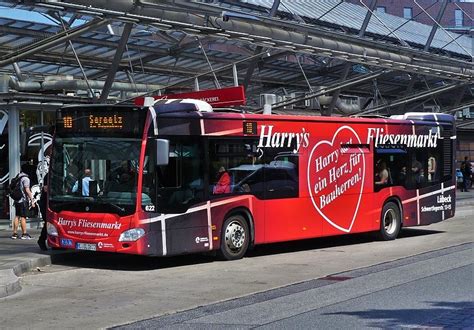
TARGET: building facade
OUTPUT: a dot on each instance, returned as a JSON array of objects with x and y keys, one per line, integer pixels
[{"x": 457, "y": 16}]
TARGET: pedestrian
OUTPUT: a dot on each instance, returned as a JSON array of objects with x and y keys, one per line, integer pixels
[
  {"x": 466, "y": 174},
  {"x": 22, "y": 206},
  {"x": 43, "y": 209}
]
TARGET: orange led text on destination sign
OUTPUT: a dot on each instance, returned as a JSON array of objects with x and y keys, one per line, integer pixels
[
  {"x": 105, "y": 121},
  {"x": 67, "y": 120}
]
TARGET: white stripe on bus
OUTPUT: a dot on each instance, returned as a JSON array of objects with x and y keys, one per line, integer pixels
[
  {"x": 162, "y": 218},
  {"x": 209, "y": 224},
  {"x": 230, "y": 131},
  {"x": 420, "y": 197},
  {"x": 153, "y": 115}
]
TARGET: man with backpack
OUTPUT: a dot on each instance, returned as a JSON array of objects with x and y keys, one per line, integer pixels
[{"x": 23, "y": 200}]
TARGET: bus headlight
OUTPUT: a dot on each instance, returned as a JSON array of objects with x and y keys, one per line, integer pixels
[
  {"x": 51, "y": 229},
  {"x": 131, "y": 235}
]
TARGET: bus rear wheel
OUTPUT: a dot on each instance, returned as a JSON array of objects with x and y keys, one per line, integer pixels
[
  {"x": 390, "y": 223},
  {"x": 235, "y": 238}
]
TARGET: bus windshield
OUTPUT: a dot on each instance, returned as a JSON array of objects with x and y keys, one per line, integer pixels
[{"x": 98, "y": 175}]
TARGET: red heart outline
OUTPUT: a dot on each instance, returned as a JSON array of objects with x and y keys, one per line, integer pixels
[{"x": 331, "y": 144}]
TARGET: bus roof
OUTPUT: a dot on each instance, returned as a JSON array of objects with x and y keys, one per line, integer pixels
[{"x": 185, "y": 108}]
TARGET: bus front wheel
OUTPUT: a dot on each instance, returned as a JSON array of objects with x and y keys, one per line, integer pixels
[
  {"x": 390, "y": 223},
  {"x": 235, "y": 238}
]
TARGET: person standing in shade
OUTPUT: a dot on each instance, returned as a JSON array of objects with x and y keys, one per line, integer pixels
[
  {"x": 43, "y": 209},
  {"x": 23, "y": 205},
  {"x": 466, "y": 174}
]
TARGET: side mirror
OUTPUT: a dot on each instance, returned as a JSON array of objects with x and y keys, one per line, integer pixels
[{"x": 162, "y": 151}]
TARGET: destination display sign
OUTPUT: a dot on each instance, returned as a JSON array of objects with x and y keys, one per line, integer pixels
[{"x": 93, "y": 121}]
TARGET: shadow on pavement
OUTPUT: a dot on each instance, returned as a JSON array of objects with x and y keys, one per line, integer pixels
[
  {"x": 454, "y": 315},
  {"x": 103, "y": 260}
]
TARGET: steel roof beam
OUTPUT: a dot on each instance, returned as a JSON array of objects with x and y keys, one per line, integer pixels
[
  {"x": 116, "y": 62},
  {"x": 458, "y": 96},
  {"x": 52, "y": 41},
  {"x": 459, "y": 107},
  {"x": 252, "y": 64},
  {"x": 337, "y": 92},
  {"x": 367, "y": 43},
  {"x": 412, "y": 98},
  {"x": 283, "y": 34},
  {"x": 96, "y": 63},
  {"x": 348, "y": 65},
  {"x": 365, "y": 23},
  {"x": 444, "y": 4},
  {"x": 332, "y": 88}
]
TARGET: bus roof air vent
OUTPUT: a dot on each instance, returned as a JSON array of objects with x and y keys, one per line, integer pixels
[
  {"x": 369, "y": 116},
  {"x": 181, "y": 105},
  {"x": 425, "y": 116}
]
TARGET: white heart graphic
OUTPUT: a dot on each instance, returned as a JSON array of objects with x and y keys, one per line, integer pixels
[{"x": 331, "y": 222}]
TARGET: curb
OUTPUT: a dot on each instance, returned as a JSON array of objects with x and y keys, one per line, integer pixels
[
  {"x": 10, "y": 278},
  {"x": 10, "y": 283}
]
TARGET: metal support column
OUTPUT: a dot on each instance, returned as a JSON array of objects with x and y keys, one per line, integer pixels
[
  {"x": 335, "y": 96},
  {"x": 365, "y": 23},
  {"x": 259, "y": 49},
  {"x": 196, "y": 84},
  {"x": 115, "y": 63},
  {"x": 17, "y": 69},
  {"x": 435, "y": 26},
  {"x": 235, "y": 75},
  {"x": 409, "y": 90},
  {"x": 348, "y": 65},
  {"x": 13, "y": 148},
  {"x": 458, "y": 96}
]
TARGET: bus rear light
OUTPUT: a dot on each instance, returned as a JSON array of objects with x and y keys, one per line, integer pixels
[
  {"x": 213, "y": 227},
  {"x": 51, "y": 229},
  {"x": 131, "y": 235},
  {"x": 215, "y": 238}
]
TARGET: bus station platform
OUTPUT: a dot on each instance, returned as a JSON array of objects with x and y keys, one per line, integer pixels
[{"x": 20, "y": 256}]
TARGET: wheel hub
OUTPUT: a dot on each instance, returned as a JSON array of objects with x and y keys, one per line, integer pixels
[
  {"x": 390, "y": 221},
  {"x": 234, "y": 236}
]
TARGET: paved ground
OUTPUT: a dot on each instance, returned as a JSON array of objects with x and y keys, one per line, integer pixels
[
  {"x": 271, "y": 267},
  {"x": 402, "y": 294},
  {"x": 19, "y": 256}
]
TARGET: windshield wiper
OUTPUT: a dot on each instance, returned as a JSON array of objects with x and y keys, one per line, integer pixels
[
  {"x": 62, "y": 205},
  {"x": 115, "y": 206}
]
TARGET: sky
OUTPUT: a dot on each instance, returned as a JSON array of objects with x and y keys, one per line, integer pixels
[{"x": 29, "y": 16}]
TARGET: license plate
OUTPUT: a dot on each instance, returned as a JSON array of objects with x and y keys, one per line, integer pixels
[{"x": 86, "y": 246}]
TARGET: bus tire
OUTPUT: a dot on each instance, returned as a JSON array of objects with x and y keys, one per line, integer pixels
[
  {"x": 390, "y": 222},
  {"x": 235, "y": 238}
]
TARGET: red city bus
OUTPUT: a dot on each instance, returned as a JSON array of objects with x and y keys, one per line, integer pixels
[{"x": 179, "y": 178}]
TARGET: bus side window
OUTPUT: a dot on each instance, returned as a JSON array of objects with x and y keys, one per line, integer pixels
[
  {"x": 391, "y": 167},
  {"x": 280, "y": 183},
  {"x": 235, "y": 167}
]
